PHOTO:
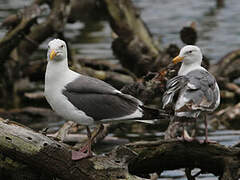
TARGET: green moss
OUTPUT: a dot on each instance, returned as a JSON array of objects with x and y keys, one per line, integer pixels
[
  {"x": 131, "y": 177},
  {"x": 18, "y": 144},
  {"x": 8, "y": 163}
]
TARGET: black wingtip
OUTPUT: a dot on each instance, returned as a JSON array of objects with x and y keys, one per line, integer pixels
[{"x": 152, "y": 113}]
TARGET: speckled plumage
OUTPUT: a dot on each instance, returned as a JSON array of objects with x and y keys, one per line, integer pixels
[{"x": 194, "y": 90}]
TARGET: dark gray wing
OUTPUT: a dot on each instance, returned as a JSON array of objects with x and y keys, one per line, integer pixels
[
  {"x": 86, "y": 84},
  {"x": 172, "y": 88},
  {"x": 200, "y": 93},
  {"x": 98, "y": 99}
]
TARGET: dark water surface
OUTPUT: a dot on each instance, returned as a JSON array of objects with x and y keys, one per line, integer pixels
[{"x": 219, "y": 33}]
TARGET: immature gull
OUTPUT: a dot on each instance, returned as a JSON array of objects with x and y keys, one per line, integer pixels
[
  {"x": 194, "y": 87},
  {"x": 83, "y": 99}
]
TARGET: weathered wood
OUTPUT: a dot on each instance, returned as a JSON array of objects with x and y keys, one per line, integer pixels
[
  {"x": 220, "y": 3},
  {"x": 133, "y": 45},
  {"x": 13, "y": 38},
  {"x": 55, "y": 22},
  {"x": 167, "y": 155},
  {"x": 38, "y": 118},
  {"x": 188, "y": 34},
  {"x": 22, "y": 40},
  {"x": 38, "y": 151},
  {"x": 229, "y": 117},
  {"x": 227, "y": 66},
  {"x": 33, "y": 149},
  {"x": 113, "y": 74}
]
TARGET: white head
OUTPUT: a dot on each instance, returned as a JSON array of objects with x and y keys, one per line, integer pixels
[
  {"x": 57, "y": 50},
  {"x": 189, "y": 55}
]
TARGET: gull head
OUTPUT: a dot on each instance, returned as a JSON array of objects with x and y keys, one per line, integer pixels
[
  {"x": 189, "y": 55},
  {"x": 57, "y": 50}
]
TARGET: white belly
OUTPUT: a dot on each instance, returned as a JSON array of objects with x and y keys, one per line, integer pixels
[
  {"x": 65, "y": 109},
  {"x": 60, "y": 103}
]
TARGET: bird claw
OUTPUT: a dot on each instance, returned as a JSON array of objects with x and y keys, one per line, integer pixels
[
  {"x": 81, "y": 154},
  {"x": 185, "y": 139},
  {"x": 78, "y": 155},
  {"x": 206, "y": 141}
]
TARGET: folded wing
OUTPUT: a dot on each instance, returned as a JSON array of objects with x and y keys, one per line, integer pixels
[
  {"x": 101, "y": 101},
  {"x": 201, "y": 93}
]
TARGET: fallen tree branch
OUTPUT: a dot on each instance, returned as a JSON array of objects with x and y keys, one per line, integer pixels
[
  {"x": 15, "y": 35},
  {"x": 23, "y": 39},
  {"x": 133, "y": 44},
  {"x": 55, "y": 22},
  {"x": 227, "y": 66},
  {"x": 167, "y": 155},
  {"x": 229, "y": 117},
  {"x": 53, "y": 158},
  {"x": 141, "y": 158}
]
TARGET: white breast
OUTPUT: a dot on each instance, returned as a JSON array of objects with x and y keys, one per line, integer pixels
[
  {"x": 187, "y": 68},
  {"x": 54, "y": 84}
]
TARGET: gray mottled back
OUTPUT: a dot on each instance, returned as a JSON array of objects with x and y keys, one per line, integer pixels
[
  {"x": 198, "y": 92},
  {"x": 173, "y": 86}
]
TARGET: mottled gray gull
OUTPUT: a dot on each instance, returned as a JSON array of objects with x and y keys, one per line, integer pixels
[
  {"x": 194, "y": 90},
  {"x": 84, "y": 99}
]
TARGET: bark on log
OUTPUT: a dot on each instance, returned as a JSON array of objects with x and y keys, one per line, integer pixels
[
  {"x": 168, "y": 155},
  {"x": 220, "y": 3},
  {"x": 26, "y": 41},
  {"x": 228, "y": 66},
  {"x": 60, "y": 10},
  {"x": 113, "y": 74},
  {"x": 134, "y": 45},
  {"x": 14, "y": 37},
  {"x": 108, "y": 72},
  {"x": 37, "y": 151},
  {"x": 229, "y": 117},
  {"x": 53, "y": 158},
  {"x": 37, "y": 118}
]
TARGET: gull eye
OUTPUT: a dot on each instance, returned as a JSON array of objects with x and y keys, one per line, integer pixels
[
  {"x": 189, "y": 52},
  {"x": 62, "y": 46},
  {"x": 48, "y": 46}
]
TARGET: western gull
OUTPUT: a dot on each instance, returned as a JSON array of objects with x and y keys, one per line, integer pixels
[
  {"x": 84, "y": 99},
  {"x": 195, "y": 89}
]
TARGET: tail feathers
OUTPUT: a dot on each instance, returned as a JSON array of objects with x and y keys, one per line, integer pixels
[
  {"x": 146, "y": 121},
  {"x": 151, "y": 113}
]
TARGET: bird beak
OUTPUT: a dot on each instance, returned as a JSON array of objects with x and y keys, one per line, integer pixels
[
  {"x": 52, "y": 54},
  {"x": 177, "y": 59}
]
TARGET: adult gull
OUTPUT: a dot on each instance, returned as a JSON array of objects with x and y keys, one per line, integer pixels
[
  {"x": 84, "y": 99},
  {"x": 194, "y": 90}
]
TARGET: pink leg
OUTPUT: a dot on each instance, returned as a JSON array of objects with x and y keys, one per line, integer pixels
[
  {"x": 77, "y": 155},
  {"x": 206, "y": 132},
  {"x": 185, "y": 136},
  {"x": 206, "y": 128}
]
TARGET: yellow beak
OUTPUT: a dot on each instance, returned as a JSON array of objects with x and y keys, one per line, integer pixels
[
  {"x": 52, "y": 54},
  {"x": 177, "y": 59}
]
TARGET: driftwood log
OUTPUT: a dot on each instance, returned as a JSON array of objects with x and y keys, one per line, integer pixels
[
  {"x": 25, "y": 152},
  {"x": 133, "y": 44},
  {"x": 22, "y": 148},
  {"x": 20, "y": 42},
  {"x": 229, "y": 117}
]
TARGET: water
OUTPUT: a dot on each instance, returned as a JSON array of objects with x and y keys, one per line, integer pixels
[
  {"x": 224, "y": 137},
  {"x": 218, "y": 28},
  {"x": 219, "y": 33}
]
